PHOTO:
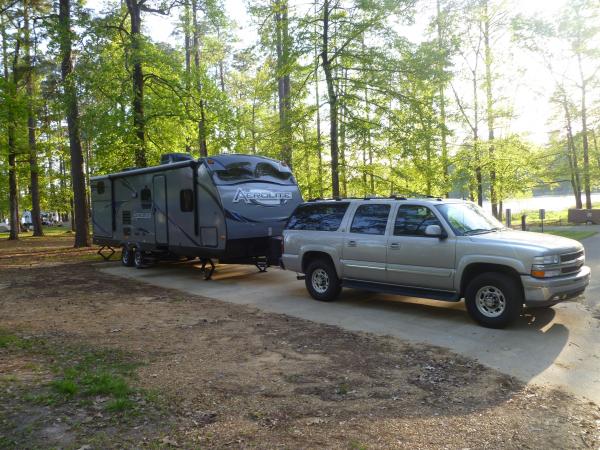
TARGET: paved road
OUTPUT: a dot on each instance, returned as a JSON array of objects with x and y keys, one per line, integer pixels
[{"x": 558, "y": 347}]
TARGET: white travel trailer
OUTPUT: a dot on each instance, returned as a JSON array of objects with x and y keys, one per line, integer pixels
[{"x": 227, "y": 207}]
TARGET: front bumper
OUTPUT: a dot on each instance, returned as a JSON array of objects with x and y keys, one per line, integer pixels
[{"x": 548, "y": 291}]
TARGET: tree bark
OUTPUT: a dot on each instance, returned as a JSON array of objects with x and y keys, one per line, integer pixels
[
  {"x": 139, "y": 122},
  {"x": 196, "y": 49},
  {"x": 573, "y": 159},
  {"x": 34, "y": 187},
  {"x": 442, "y": 100},
  {"x": 318, "y": 108},
  {"x": 584, "y": 137},
  {"x": 490, "y": 111},
  {"x": 283, "y": 79},
  {"x": 13, "y": 196},
  {"x": 78, "y": 185},
  {"x": 333, "y": 106}
]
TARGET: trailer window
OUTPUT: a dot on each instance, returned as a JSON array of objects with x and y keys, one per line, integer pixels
[
  {"x": 265, "y": 169},
  {"x": 100, "y": 187},
  {"x": 186, "y": 200},
  {"x": 146, "y": 198},
  {"x": 236, "y": 172},
  {"x": 318, "y": 217}
]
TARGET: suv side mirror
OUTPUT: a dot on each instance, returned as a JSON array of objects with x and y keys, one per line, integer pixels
[{"x": 434, "y": 231}]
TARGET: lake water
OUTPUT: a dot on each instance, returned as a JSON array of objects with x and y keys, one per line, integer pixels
[{"x": 547, "y": 202}]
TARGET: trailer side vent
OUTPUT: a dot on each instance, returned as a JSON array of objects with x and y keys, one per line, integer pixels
[{"x": 126, "y": 217}]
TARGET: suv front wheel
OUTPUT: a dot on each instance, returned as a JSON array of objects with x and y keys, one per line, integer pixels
[
  {"x": 494, "y": 300},
  {"x": 322, "y": 281}
]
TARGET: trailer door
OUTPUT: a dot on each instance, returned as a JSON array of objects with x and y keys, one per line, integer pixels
[{"x": 160, "y": 210}]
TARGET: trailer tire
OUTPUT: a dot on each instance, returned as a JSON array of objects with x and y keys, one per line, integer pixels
[
  {"x": 139, "y": 259},
  {"x": 322, "y": 281},
  {"x": 127, "y": 257}
]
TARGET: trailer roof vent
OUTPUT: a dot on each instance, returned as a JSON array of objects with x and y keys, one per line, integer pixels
[{"x": 169, "y": 158}]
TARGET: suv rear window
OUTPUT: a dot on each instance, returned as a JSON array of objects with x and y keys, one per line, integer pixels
[{"x": 318, "y": 217}]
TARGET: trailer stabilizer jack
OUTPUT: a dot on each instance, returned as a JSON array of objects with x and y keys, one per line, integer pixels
[
  {"x": 208, "y": 272},
  {"x": 261, "y": 264},
  {"x": 106, "y": 256}
]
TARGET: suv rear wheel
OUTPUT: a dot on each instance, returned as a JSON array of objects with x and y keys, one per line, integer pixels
[
  {"x": 494, "y": 300},
  {"x": 322, "y": 281}
]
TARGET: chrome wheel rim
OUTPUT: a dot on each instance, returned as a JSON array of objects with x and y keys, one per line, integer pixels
[
  {"x": 138, "y": 258},
  {"x": 125, "y": 256},
  {"x": 490, "y": 301},
  {"x": 320, "y": 281}
]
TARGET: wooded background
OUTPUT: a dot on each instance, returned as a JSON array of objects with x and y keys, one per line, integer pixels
[{"x": 336, "y": 88}]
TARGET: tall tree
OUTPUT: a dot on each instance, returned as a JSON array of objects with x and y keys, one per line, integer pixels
[
  {"x": 10, "y": 77},
  {"x": 283, "y": 78},
  {"x": 80, "y": 204},
  {"x": 34, "y": 186},
  {"x": 490, "y": 113}
]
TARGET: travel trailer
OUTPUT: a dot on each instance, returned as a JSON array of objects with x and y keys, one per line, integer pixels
[{"x": 228, "y": 207}]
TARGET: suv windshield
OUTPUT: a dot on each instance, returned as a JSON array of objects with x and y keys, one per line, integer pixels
[
  {"x": 468, "y": 219},
  {"x": 244, "y": 171}
]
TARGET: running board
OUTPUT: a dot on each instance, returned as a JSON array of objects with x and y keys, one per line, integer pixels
[{"x": 447, "y": 296}]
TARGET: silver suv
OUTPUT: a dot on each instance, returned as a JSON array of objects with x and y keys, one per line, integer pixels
[{"x": 432, "y": 248}]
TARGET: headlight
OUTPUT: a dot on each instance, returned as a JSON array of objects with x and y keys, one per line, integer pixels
[
  {"x": 549, "y": 259},
  {"x": 545, "y": 266}
]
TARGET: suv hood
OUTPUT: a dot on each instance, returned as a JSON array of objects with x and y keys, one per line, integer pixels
[{"x": 546, "y": 243}]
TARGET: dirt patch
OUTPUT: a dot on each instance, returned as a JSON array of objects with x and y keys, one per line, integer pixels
[{"x": 223, "y": 375}]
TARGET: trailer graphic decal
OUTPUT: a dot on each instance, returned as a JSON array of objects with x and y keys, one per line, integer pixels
[{"x": 262, "y": 197}]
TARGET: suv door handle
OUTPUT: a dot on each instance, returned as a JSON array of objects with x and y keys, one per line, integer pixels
[
  {"x": 394, "y": 246},
  {"x": 351, "y": 243}
]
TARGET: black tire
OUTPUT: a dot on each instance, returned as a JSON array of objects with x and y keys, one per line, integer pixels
[
  {"x": 126, "y": 257},
  {"x": 494, "y": 300},
  {"x": 139, "y": 259},
  {"x": 322, "y": 281}
]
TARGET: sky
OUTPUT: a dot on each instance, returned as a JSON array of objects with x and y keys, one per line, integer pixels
[{"x": 527, "y": 91}]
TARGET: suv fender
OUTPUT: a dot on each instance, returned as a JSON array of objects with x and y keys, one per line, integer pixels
[
  {"x": 309, "y": 252},
  {"x": 485, "y": 263}
]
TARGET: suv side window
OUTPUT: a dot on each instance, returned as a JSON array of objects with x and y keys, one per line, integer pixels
[
  {"x": 318, "y": 216},
  {"x": 413, "y": 219},
  {"x": 370, "y": 219}
]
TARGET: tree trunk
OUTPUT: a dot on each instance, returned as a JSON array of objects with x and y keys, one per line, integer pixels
[
  {"x": 573, "y": 159},
  {"x": 490, "y": 110},
  {"x": 13, "y": 193},
  {"x": 79, "y": 199},
  {"x": 442, "y": 100},
  {"x": 584, "y": 137},
  {"x": 283, "y": 78},
  {"x": 318, "y": 107},
  {"x": 196, "y": 48},
  {"x": 188, "y": 66},
  {"x": 34, "y": 187},
  {"x": 333, "y": 106},
  {"x": 139, "y": 123}
]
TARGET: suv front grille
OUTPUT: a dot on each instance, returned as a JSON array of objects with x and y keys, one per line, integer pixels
[{"x": 567, "y": 257}]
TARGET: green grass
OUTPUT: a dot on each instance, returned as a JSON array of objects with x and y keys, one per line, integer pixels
[
  {"x": 573, "y": 234},
  {"x": 48, "y": 231},
  {"x": 80, "y": 373},
  {"x": 552, "y": 217}
]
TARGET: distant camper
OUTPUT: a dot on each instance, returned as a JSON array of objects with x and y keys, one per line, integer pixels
[{"x": 226, "y": 207}]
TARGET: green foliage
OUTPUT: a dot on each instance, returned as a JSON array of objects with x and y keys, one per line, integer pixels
[{"x": 406, "y": 108}]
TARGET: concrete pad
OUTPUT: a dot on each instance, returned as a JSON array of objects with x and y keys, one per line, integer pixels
[{"x": 556, "y": 347}]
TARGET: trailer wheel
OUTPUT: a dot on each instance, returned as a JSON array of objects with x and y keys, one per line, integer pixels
[
  {"x": 127, "y": 257},
  {"x": 138, "y": 259}
]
